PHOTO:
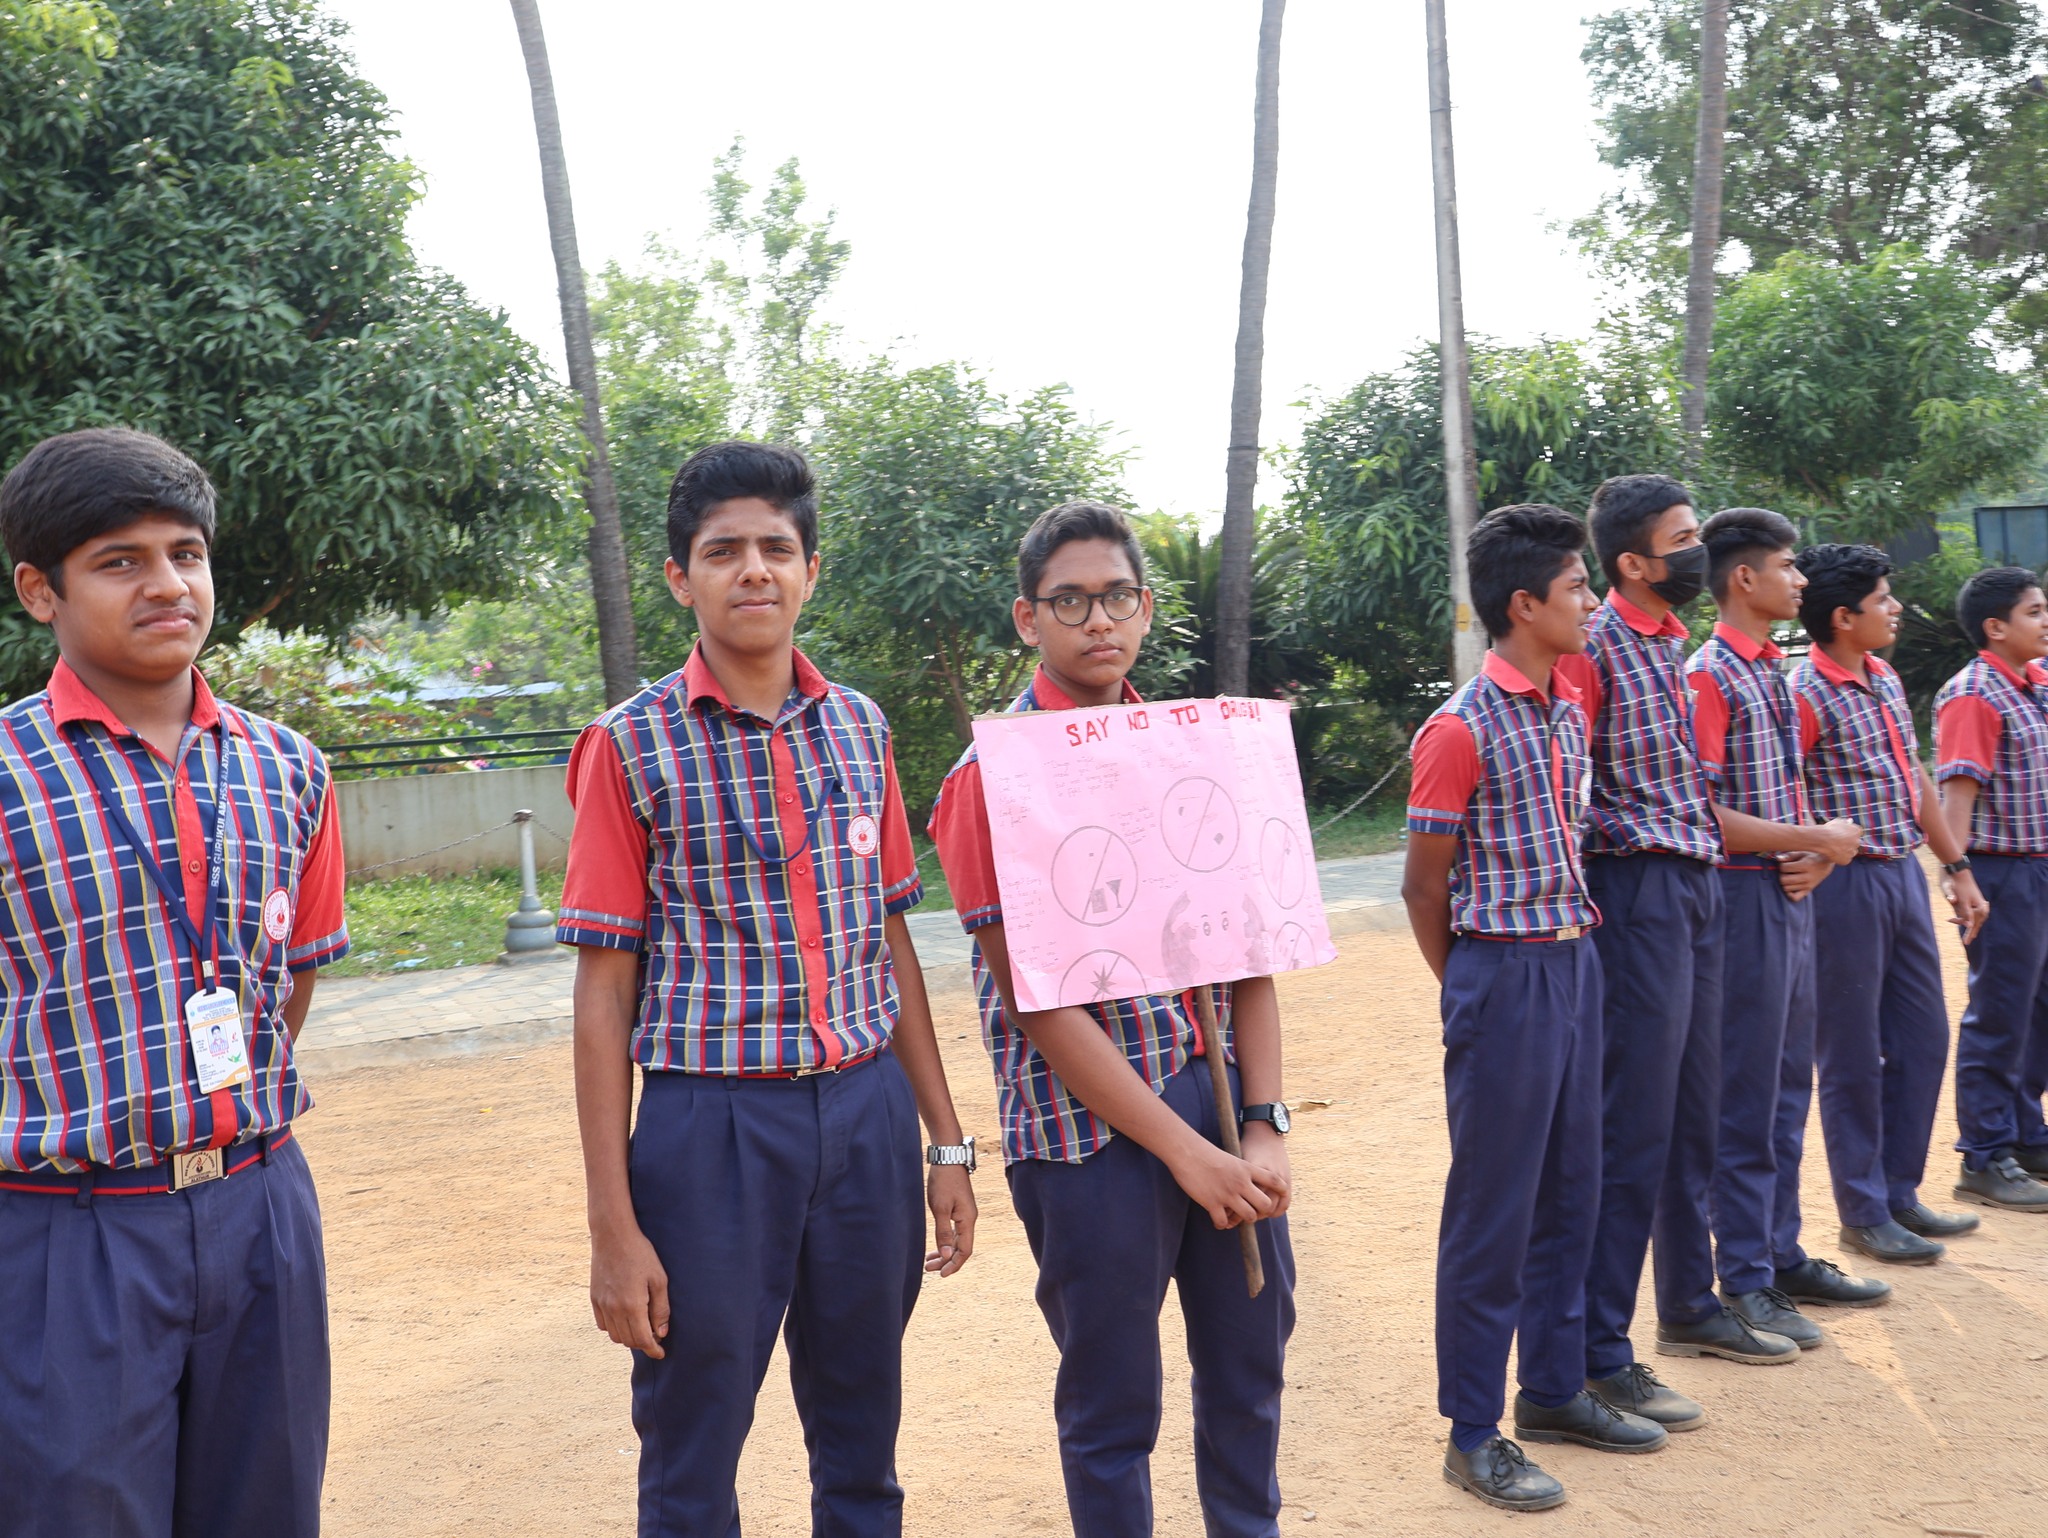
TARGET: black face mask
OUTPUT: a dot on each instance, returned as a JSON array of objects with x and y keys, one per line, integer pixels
[{"x": 1685, "y": 575}]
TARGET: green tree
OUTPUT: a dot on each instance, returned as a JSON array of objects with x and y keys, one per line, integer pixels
[
  {"x": 1284, "y": 659},
  {"x": 1551, "y": 421},
  {"x": 1867, "y": 395},
  {"x": 202, "y": 234}
]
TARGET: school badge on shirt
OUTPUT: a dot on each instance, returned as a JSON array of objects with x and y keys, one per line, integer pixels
[
  {"x": 277, "y": 915},
  {"x": 863, "y": 836}
]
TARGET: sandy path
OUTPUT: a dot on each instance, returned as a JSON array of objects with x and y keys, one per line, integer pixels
[{"x": 473, "y": 1396}]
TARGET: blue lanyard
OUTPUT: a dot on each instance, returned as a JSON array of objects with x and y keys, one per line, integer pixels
[
  {"x": 207, "y": 958},
  {"x": 811, "y": 816}
]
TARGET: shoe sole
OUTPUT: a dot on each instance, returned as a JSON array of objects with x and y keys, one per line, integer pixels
[
  {"x": 1877, "y": 1302},
  {"x": 1978, "y": 1198},
  {"x": 1525, "y": 1434},
  {"x": 1899, "y": 1260},
  {"x": 1748, "y": 1358},
  {"x": 1495, "y": 1501}
]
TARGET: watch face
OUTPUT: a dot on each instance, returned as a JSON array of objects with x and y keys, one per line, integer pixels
[{"x": 1281, "y": 1121}]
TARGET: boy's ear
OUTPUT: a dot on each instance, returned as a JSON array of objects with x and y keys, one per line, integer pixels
[
  {"x": 32, "y": 587},
  {"x": 1024, "y": 615},
  {"x": 678, "y": 583}
]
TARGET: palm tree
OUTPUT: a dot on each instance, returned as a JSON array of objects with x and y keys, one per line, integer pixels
[
  {"x": 609, "y": 583},
  {"x": 1234, "y": 584},
  {"x": 1706, "y": 225}
]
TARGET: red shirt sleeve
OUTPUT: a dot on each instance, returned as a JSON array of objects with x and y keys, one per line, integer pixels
[
  {"x": 604, "y": 895},
  {"x": 319, "y": 927},
  {"x": 902, "y": 889},
  {"x": 1966, "y": 733},
  {"x": 1809, "y": 726},
  {"x": 1580, "y": 671},
  {"x": 1709, "y": 725},
  {"x": 1446, "y": 772},
  {"x": 959, "y": 827}
]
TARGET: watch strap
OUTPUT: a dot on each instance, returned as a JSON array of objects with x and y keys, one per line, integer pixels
[
  {"x": 1267, "y": 1111},
  {"x": 962, "y": 1154}
]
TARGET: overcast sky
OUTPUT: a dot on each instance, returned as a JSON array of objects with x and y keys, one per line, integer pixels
[{"x": 1052, "y": 191}]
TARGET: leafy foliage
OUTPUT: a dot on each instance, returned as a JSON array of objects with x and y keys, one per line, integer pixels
[{"x": 202, "y": 234}]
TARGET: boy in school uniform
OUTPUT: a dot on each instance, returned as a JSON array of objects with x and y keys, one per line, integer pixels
[
  {"x": 1652, "y": 846},
  {"x": 1880, "y": 1027},
  {"x": 1991, "y": 757},
  {"x": 1109, "y": 1125},
  {"x": 1746, "y": 728},
  {"x": 737, "y": 881},
  {"x": 1497, "y": 898},
  {"x": 170, "y": 875}
]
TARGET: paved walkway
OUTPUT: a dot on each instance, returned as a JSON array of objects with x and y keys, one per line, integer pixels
[{"x": 361, "y": 1021}]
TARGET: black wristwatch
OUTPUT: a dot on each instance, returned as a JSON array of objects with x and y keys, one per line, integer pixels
[
  {"x": 1960, "y": 865},
  {"x": 1272, "y": 1111}
]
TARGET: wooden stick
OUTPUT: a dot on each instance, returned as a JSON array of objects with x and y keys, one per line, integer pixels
[{"x": 1226, "y": 1122}]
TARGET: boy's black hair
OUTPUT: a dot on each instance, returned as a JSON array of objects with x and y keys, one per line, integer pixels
[
  {"x": 1735, "y": 536},
  {"x": 1065, "y": 524},
  {"x": 1992, "y": 594},
  {"x": 741, "y": 467},
  {"x": 1838, "y": 577},
  {"x": 1623, "y": 509},
  {"x": 80, "y": 485},
  {"x": 1520, "y": 549}
]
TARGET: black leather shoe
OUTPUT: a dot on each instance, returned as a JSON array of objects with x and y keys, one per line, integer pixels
[
  {"x": 1923, "y": 1220},
  {"x": 2002, "y": 1183},
  {"x": 1893, "y": 1243},
  {"x": 2033, "y": 1160},
  {"x": 1590, "y": 1421},
  {"x": 1500, "y": 1474},
  {"x": 1769, "y": 1312},
  {"x": 1635, "y": 1390},
  {"x": 1726, "y": 1335},
  {"x": 1822, "y": 1281}
]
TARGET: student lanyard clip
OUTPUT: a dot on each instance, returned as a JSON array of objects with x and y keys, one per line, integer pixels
[
  {"x": 836, "y": 787},
  {"x": 206, "y": 955}
]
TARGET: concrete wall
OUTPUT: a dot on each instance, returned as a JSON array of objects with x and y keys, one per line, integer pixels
[{"x": 401, "y": 818}]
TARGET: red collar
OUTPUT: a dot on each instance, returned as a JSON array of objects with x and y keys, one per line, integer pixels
[
  {"x": 701, "y": 683},
  {"x": 2035, "y": 674},
  {"x": 1504, "y": 675},
  {"x": 1835, "y": 673},
  {"x": 71, "y": 701},
  {"x": 1641, "y": 623},
  {"x": 1051, "y": 696},
  {"x": 1744, "y": 647}
]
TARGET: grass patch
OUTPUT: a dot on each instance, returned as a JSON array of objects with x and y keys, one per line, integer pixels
[
  {"x": 424, "y": 923},
  {"x": 1374, "y": 828}
]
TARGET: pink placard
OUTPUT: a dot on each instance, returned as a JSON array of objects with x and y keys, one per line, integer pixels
[{"x": 1148, "y": 848}]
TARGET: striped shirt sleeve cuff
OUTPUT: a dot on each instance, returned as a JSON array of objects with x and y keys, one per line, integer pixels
[
  {"x": 1429, "y": 819},
  {"x": 982, "y": 917},
  {"x": 606, "y": 931},
  {"x": 318, "y": 952},
  {"x": 1963, "y": 769},
  {"x": 904, "y": 895}
]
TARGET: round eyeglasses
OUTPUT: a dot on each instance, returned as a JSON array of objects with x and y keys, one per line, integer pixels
[{"x": 1118, "y": 603}]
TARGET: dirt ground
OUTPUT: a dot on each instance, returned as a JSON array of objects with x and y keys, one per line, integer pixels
[{"x": 473, "y": 1396}]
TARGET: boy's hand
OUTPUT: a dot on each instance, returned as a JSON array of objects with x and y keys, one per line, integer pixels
[
  {"x": 1230, "y": 1190},
  {"x": 1800, "y": 873},
  {"x": 1266, "y": 1152},
  {"x": 1970, "y": 905},
  {"x": 949, "y": 1191},
  {"x": 1839, "y": 839},
  {"x": 629, "y": 1290}
]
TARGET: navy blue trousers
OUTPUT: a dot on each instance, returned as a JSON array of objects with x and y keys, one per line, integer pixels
[
  {"x": 1660, "y": 941},
  {"x": 163, "y": 1359},
  {"x": 1522, "y": 1092},
  {"x": 1769, "y": 950},
  {"x": 1109, "y": 1233},
  {"x": 790, "y": 1205},
  {"x": 1880, "y": 1033},
  {"x": 1795, "y": 1101},
  {"x": 2008, "y": 1012}
]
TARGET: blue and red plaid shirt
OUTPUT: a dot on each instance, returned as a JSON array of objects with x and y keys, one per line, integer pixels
[
  {"x": 1156, "y": 1032},
  {"x": 1991, "y": 726},
  {"x": 1649, "y": 794},
  {"x": 1861, "y": 754},
  {"x": 1745, "y": 725},
  {"x": 1504, "y": 769},
  {"x": 95, "y": 1065},
  {"x": 754, "y": 863}
]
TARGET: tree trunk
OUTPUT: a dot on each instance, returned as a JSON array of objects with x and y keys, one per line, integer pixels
[
  {"x": 1461, "y": 466},
  {"x": 609, "y": 580},
  {"x": 1241, "y": 479},
  {"x": 1706, "y": 226}
]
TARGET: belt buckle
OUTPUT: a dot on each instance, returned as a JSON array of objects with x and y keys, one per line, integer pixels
[
  {"x": 198, "y": 1167},
  {"x": 814, "y": 1070},
  {"x": 1570, "y": 932}
]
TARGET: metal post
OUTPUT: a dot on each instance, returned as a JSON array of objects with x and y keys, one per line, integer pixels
[{"x": 530, "y": 928}]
